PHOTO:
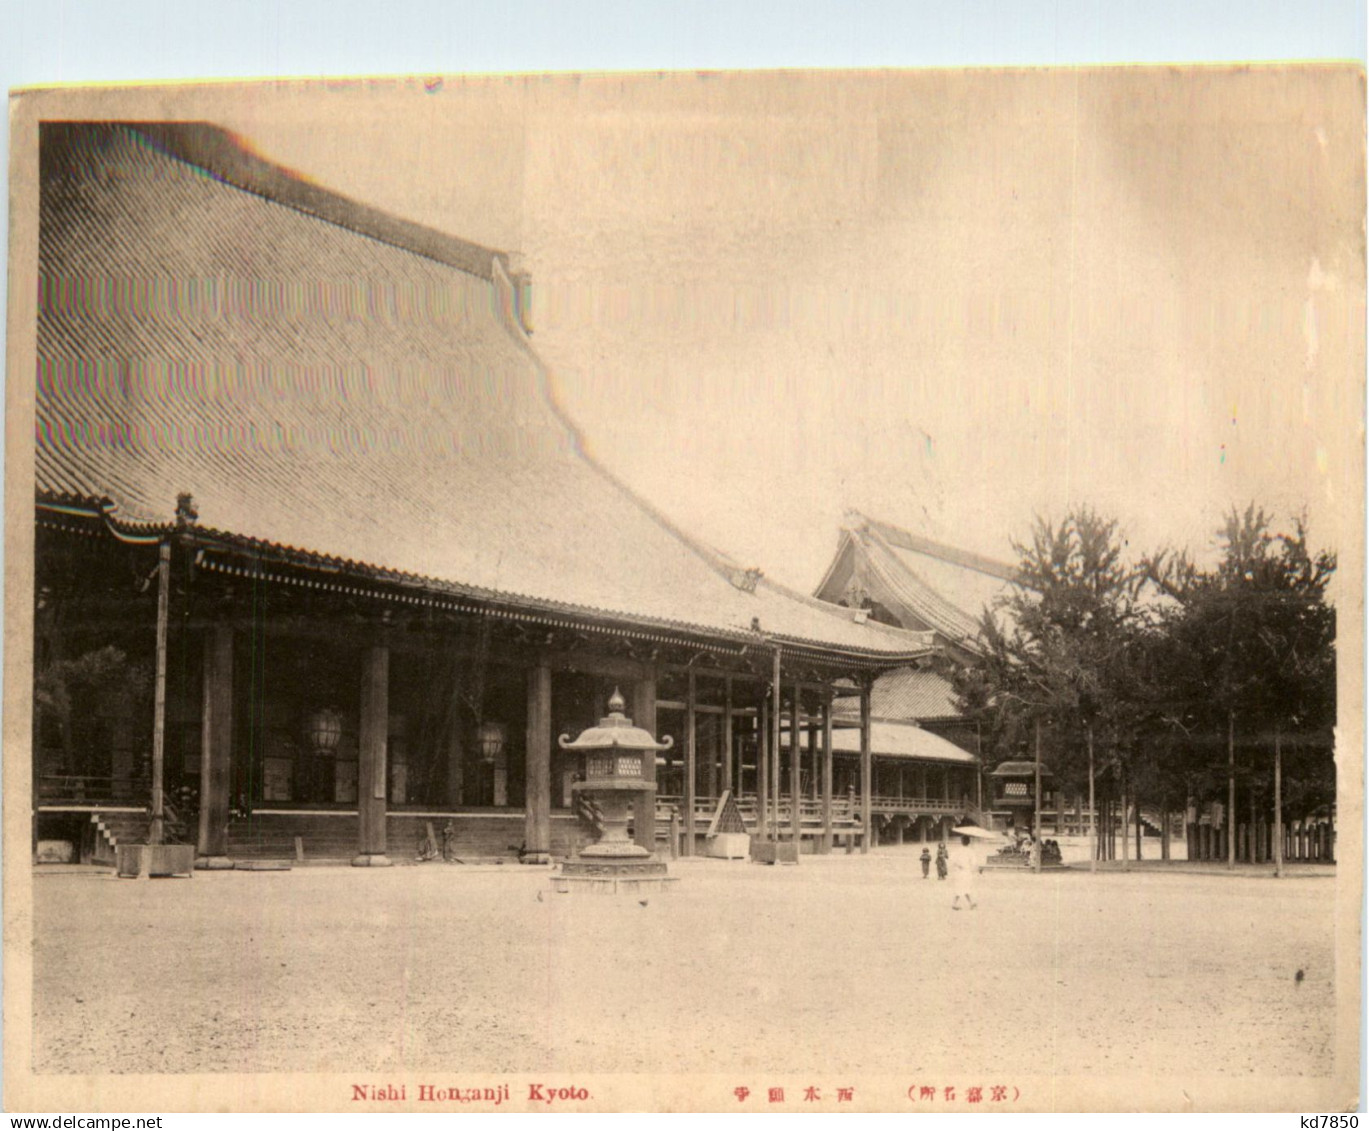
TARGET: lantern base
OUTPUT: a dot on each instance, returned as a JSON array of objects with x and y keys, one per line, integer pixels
[
  {"x": 610, "y": 885},
  {"x": 602, "y": 877},
  {"x": 607, "y": 867},
  {"x": 615, "y": 850}
]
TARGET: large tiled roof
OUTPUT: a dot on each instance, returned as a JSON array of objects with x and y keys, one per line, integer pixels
[{"x": 324, "y": 378}]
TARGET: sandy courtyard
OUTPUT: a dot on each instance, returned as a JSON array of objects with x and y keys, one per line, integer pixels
[{"x": 848, "y": 964}]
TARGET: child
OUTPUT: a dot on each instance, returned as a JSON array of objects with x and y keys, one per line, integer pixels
[
  {"x": 926, "y": 862},
  {"x": 941, "y": 862}
]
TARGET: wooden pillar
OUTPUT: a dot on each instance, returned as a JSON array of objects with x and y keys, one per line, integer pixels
[
  {"x": 216, "y": 748},
  {"x": 644, "y": 715},
  {"x": 537, "y": 768},
  {"x": 456, "y": 740},
  {"x": 156, "y": 832},
  {"x": 708, "y": 749},
  {"x": 371, "y": 761},
  {"x": 728, "y": 780},
  {"x": 814, "y": 759},
  {"x": 763, "y": 769},
  {"x": 827, "y": 774},
  {"x": 776, "y": 725},
  {"x": 866, "y": 792},
  {"x": 691, "y": 762}
]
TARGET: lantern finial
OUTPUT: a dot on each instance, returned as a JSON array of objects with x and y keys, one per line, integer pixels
[{"x": 616, "y": 703}]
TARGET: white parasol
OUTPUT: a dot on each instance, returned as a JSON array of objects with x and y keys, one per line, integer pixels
[{"x": 976, "y": 831}]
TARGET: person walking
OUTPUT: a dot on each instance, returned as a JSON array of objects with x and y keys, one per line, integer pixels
[
  {"x": 964, "y": 873},
  {"x": 926, "y": 859}
]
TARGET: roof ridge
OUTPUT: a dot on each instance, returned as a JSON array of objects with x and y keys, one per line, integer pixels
[
  {"x": 967, "y": 559},
  {"x": 229, "y": 158}
]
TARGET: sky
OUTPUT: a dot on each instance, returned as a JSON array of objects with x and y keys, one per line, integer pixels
[{"x": 951, "y": 300}]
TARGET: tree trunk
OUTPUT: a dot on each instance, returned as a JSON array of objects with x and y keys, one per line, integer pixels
[
  {"x": 1136, "y": 805},
  {"x": 1278, "y": 802},
  {"x": 1230, "y": 788},
  {"x": 1126, "y": 855},
  {"x": 1093, "y": 812}
]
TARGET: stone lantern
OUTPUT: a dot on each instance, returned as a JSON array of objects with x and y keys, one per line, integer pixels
[{"x": 612, "y": 760}]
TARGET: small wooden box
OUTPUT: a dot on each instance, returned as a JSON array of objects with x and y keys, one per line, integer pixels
[
  {"x": 775, "y": 851},
  {"x": 729, "y": 846}
]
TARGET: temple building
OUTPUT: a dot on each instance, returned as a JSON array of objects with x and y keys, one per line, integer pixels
[
  {"x": 927, "y": 757},
  {"x": 321, "y": 569}
]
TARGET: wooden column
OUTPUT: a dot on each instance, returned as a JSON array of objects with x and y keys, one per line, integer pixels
[
  {"x": 763, "y": 770},
  {"x": 827, "y": 774},
  {"x": 156, "y": 832},
  {"x": 216, "y": 748},
  {"x": 691, "y": 763},
  {"x": 814, "y": 759},
  {"x": 372, "y": 770},
  {"x": 728, "y": 780},
  {"x": 537, "y": 768},
  {"x": 644, "y": 715},
  {"x": 776, "y": 724},
  {"x": 795, "y": 768},
  {"x": 709, "y": 756},
  {"x": 456, "y": 740},
  {"x": 867, "y": 823}
]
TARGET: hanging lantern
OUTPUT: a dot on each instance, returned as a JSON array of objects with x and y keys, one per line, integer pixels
[
  {"x": 324, "y": 731},
  {"x": 491, "y": 739}
]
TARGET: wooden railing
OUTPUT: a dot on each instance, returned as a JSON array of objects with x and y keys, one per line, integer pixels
[
  {"x": 844, "y": 812},
  {"x": 931, "y": 806},
  {"x": 54, "y": 788}
]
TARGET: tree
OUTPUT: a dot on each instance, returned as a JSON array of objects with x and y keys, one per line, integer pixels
[
  {"x": 1251, "y": 648},
  {"x": 1063, "y": 660}
]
